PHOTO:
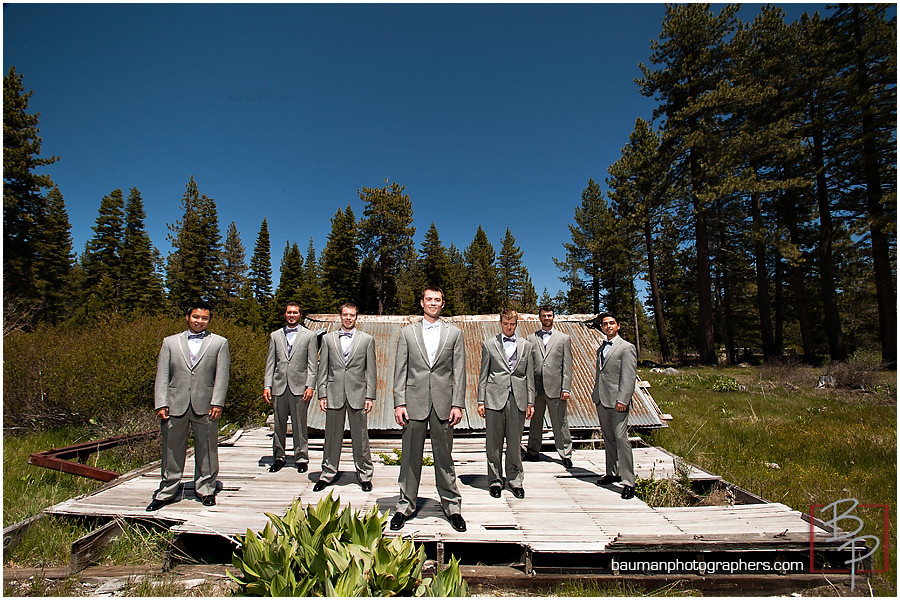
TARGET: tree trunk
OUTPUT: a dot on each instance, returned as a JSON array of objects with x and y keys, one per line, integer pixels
[
  {"x": 762, "y": 278},
  {"x": 705, "y": 338},
  {"x": 836, "y": 348},
  {"x": 655, "y": 295}
]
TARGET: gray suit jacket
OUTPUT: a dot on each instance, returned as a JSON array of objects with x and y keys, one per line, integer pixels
[
  {"x": 419, "y": 386},
  {"x": 495, "y": 378},
  {"x": 553, "y": 364},
  {"x": 179, "y": 386},
  {"x": 352, "y": 382},
  {"x": 294, "y": 370},
  {"x": 614, "y": 381}
]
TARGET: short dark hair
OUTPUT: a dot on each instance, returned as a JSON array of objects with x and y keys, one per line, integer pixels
[
  {"x": 292, "y": 303},
  {"x": 546, "y": 308},
  {"x": 433, "y": 288},
  {"x": 201, "y": 304},
  {"x": 606, "y": 315},
  {"x": 349, "y": 305}
]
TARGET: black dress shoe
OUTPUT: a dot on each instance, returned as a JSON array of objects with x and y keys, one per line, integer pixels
[
  {"x": 207, "y": 500},
  {"x": 366, "y": 486},
  {"x": 627, "y": 492},
  {"x": 608, "y": 479},
  {"x": 567, "y": 463},
  {"x": 518, "y": 492},
  {"x": 495, "y": 491},
  {"x": 320, "y": 485},
  {"x": 276, "y": 466},
  {"x": 397, "y": 521},
  {"x": 158, "y": 504},
  {"x": 302, "y": 467},
  {"x": 457, "y": 522},
  {"x": 531, "y": 457}
]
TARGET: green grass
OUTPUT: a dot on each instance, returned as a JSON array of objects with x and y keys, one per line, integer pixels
[{"x": 828, "y": 444}]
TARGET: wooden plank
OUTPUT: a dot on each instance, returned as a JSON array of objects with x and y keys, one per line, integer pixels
[{"x": 86, "y": 549}]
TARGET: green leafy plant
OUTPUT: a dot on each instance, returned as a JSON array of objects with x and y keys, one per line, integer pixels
[
  {"x": 726, "y": 384},
  {"x": 397, "y": 455},
  {"x": 326, "y": 550}
]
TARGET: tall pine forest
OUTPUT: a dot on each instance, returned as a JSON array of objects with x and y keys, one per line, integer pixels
[{"x": 751, "y": 215}]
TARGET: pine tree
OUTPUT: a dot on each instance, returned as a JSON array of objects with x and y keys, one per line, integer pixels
[
  {"x": 142, "y": 289},
  {"x": 436, "y": 269},
  {"x": 234, "y": 265},
  {"x": 290, "y": 284},
  {"x": 103, "y": 257},
  {"x": 482, "y": 284},
  {"x": 55, "y": 257},
  {"x": 693, "y": 87},
  {"x": 311, "y": 297},
  {"x": 194, "y": 267},
  {"x": 340, "y": 260},
  {"x": 583, "y": 252},
  {"x": 387, "y": 233},
  {"x": 260, "y": 277},
  {"x": 24, "y": 204},
  {"x": 457, "y": 302},
  {"x": 512, "y": 273}
]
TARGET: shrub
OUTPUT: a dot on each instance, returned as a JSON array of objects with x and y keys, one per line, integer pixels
[
  {"x": 324, "y": 550},
  {"x": 65, "y": 375}
]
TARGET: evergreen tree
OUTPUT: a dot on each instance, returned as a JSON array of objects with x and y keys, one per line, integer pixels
[
  {"x": 103, "y": 257},
  {"x": 24, "y": 205},
  {"x": 457, "y": 302},
  {"x": 639, "y": 188},
  {"x": 693, "y": 87},
  {"x": 387, "y": 233},
  {"x": 340, "y": 260},
  {"x": 260, "y": 278},
  {"x": 290, "y": 284},
  {"x": 436, "y": 269},
  {"x": 194, "y": 266},
  {"x": 234, "y": 265},
  {"x": 513, "y": 275},
  {"x": 55, "y": 257},
  {"x": 142, "y": 289},
  {"x": 582, "y": 266},
  {"x": 311, "y": 298},
  {"x": 482, "y": 284}
]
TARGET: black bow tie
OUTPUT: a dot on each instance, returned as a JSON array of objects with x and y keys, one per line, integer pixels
[
  {"x": 345, "y": 334},
  {"x": 509, "y": 339},
  {"x": 605, "y": 344},
  {"x": 291, "y": 329},
  {"x": 545, "y": 333},
  {"x": 196, "y": 336}
]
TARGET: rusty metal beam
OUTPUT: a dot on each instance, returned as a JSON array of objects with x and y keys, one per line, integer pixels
[{"x": 59, "y": 458}]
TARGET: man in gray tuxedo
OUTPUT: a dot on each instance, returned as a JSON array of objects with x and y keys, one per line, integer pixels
[
  {"x": 347, "y": 381},
  {"x": 552, "y": 385},
  {"x": 505, "y": 400},
  {"x": 289, "y": 384},
  {"x": 613, "y": 390},
  {"x": 191, "y": 384},
  {"x": 429, "y": 393}
]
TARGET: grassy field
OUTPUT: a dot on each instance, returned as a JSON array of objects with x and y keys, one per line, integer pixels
[
  {"x": 771, "y": 431},
  {"x": 767, "y": 429}
]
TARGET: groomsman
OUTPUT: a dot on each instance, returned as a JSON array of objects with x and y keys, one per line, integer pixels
[
  {"x": 347, "y": 381},
  {"x": 552, "y": 383},
  {"x": 505, "y": 400},
  {"x": 290, "y": 381},
  {"x": 429, "y": 396},
  {"x": 613, "y": 390},
  {"x": 191, "y": 384}
]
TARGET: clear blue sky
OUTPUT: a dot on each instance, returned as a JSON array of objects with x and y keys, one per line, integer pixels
[{"x": 489, "y": 114}]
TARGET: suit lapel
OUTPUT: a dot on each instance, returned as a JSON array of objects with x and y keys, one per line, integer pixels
[
  {"x": 282, "y": 339},
  {"x": 185, "y": 350},
  {"x": 420, "y": 340},
  {"x": 445, "y": 331},
  {"x": 501, "y": 353},
  {"x": 354, "y": 344},
  {"x": 609, "y": 353}
]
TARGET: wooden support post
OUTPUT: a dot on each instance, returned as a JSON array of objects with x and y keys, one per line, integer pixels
[
  {"x": 440, "y": 554},
  {"x": 528, "y": 559}
]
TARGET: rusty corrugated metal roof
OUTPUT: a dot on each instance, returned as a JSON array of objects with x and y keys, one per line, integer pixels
[{"x": 585, "y": 341}]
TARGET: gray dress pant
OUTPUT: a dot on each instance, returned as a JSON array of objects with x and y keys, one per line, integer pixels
[
  {"x": 412, "y": 449},
  {"x": 174, "y": 434},
  {"x": 619, "y": 459},
  {"x": 505, "y": 424},
  {"x": 334, "y": 437},
  {"x": 558, "y": 421},
  {"x": 282, "y": 406}
]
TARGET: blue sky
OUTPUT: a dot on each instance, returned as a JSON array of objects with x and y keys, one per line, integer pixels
[{"x": 493, "y": 115}]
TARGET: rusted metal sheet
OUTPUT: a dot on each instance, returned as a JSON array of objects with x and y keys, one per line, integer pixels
[
  {"x": 585, "y": 341},
  {"x": 59, "y": 459}
]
